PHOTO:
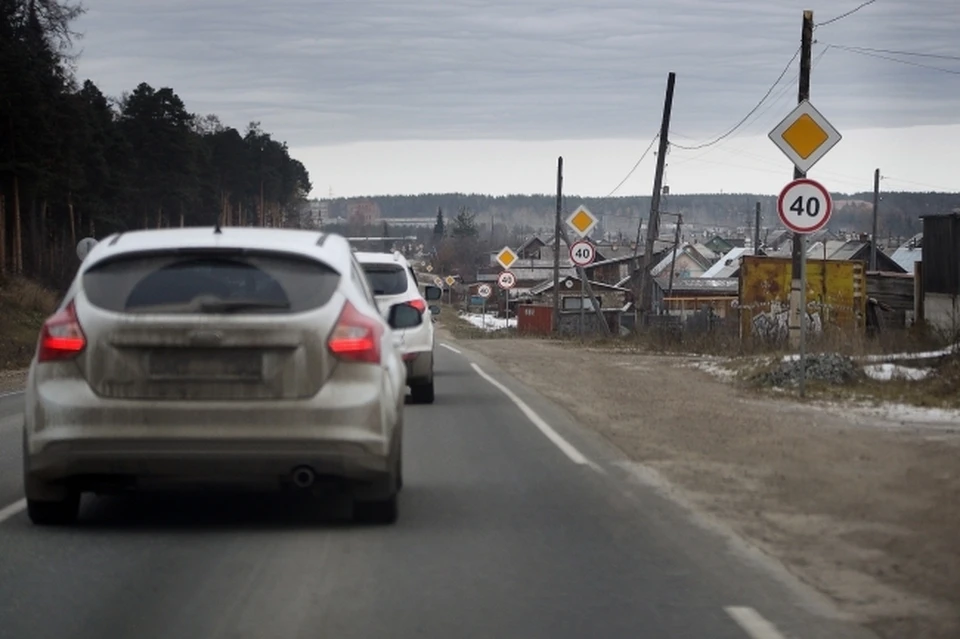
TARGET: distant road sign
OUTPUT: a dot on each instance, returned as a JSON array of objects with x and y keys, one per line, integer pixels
[
  {"x": 429, "y": 268},
  {"x": 506, "y": 280},
  {"x": 438, "y": 281},
  {"x": 451, "y": 280},
  {"x": 804, "y": 206},
  {"x": 582, "y": 253},
  {"x": 582, "y": 221},
  {"x": 805, "y": 136},
  {"x": 85, "y": 246},
  {"x": 506, "y": 257},
  {"x": 484, "y": 291}
]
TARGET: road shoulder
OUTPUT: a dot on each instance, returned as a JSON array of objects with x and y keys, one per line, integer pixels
[{"x": 866, "y": 516}]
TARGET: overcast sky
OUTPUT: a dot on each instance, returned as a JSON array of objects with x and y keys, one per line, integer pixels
[{"x": 402, "y": 96}]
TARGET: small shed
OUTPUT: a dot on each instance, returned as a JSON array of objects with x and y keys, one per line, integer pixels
[{"x": 941, "y": 271}]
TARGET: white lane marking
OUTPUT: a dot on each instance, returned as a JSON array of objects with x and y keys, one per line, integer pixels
[
  {"x": 13, "y": 394},
  {"x": 566, "y": 447},
  {"x": 13, "y": 509},
  {"x": 451, "y": 348},
  {"x": 752, "y": 623}
]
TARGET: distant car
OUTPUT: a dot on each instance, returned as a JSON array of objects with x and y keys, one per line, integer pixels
[
  {"x": 209, "y": 355},
  {"x": 394, "y": 282}
]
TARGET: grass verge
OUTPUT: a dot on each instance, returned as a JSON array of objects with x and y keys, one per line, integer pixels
[{"x": 24, "y": 305}]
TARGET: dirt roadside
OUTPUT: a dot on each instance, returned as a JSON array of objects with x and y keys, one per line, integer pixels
[
  {"x": 869, "y": 516},
  {"x": 12, "y": 381}
]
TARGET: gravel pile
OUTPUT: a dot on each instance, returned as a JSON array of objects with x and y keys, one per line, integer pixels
[{"x": 827, "y": 367}]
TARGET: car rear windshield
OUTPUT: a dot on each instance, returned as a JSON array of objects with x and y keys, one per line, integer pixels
[
  {"x": 210, "y": 283},
  {"x": 386, "y": 279}
]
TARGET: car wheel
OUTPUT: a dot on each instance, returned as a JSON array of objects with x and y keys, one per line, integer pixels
[
  {"x": 62, "y": 512},
  {"x": 422, "y": 393}
]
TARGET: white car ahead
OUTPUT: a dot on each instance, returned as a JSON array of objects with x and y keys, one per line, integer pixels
[
  {"x": 207, "y": 355},
  {"x": 394, "y": 282}
]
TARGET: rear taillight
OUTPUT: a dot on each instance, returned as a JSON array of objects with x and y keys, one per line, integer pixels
[
  {"x": 418, "y": 304},
  {"x": 61, "y": 336},
  {"x": 356, "y": 337}
]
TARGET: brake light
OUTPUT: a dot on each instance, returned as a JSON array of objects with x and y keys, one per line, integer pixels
[
  {"x": 356, "y": 337},
  {"x": 418, "y": 304},
  {"x": 61, "y": 337}
]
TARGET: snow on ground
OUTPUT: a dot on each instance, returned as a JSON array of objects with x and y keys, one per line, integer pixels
[
  {"x": 715, "y": 368},
  {"x": 489, "y": 322},
  {"x": 894, "y": 357},
  {"x": 887, "y": 372}
]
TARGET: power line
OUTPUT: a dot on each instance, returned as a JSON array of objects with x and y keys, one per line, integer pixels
[
  {"x": 938, "y": 56},
  {"x": 844, "y": 15},
  {"x": 770, "y": 104},
  {"x": 751, "y": 112},
  {"x": 886, "y": 57},
  {"x": 635, "y": 167}
]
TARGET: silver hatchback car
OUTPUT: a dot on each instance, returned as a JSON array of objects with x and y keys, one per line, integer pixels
[{"x": 230, "y": 355}]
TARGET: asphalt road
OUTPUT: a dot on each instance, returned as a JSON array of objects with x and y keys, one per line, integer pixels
[{"x": 515, "y": 522}]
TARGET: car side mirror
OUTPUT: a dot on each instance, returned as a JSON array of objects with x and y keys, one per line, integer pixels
[
  {"x": 435, "y": 309},
  {"x": 404, "y": 316},
  {"x": 432, "y": 293}
]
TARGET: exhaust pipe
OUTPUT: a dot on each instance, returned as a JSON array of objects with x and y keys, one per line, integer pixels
[{"x": 303, "y": 477}]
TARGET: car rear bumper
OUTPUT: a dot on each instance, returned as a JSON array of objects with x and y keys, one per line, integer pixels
[{"x": 70, "y": 432}]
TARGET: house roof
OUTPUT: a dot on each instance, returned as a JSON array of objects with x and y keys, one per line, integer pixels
[
  {"x": 686, "y": 249},
  {"x": 700, "y": 285},
  {"x": 547, "y": 285},
  {"x": 909, "y": 252},
  {"x": 727, "y": 266}
]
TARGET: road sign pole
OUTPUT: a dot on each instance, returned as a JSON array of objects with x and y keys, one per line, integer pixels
[
  {"x": 803, "y": 315},
  {"x": 584, "y": 282},
  {"x": 582, "y": 312}
]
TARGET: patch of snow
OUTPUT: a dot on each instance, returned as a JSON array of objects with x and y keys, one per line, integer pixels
[
  {"x": 888, "y": 372},
  {"x": 894, "y": 357},
  {"x": 717, "y": 370},
  {"x": 910, "y": 356},
  {"x": 489, "y": 322}
]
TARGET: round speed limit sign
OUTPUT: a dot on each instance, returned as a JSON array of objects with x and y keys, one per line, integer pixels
[
  {"x": 582, "y": 253},
  {"x": 484, "y": 290},
  {"x": 804, "y": 206},
  {"x": 506, "y": 280}
]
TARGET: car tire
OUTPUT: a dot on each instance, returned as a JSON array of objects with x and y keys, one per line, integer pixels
[
  {"x": 62, "y": 512},
  {"x": 422, "y": 393},
  {"x": 383, "y": 510}
]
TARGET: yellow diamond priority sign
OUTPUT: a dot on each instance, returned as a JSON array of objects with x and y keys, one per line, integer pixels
[
  {"x": 506, "y": 257},
  {"x": 582, "y": 221},
  {"x": 451, "y": 280},
  {"x": 805, "y": 136}
]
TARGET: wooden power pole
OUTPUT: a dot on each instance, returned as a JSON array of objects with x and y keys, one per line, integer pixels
[
  {"x": 556, "y": 248},
  {"x": 797, "y": 294},
  {"x": 876, "y": 207},
  {"x": 645, "y": 293},
  {"x": 756, "y": 232}
]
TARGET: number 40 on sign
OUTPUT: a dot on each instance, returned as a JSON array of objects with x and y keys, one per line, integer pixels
[{"x": 804, "y": 206}]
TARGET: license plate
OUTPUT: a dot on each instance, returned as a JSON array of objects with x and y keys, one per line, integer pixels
[{"x": 225, "y": 365}]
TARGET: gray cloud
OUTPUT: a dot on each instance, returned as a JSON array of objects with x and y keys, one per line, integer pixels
[{"x": 339, "y": 71}]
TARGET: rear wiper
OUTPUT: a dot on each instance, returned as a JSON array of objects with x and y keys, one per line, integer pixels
[{"x": 229, "y": 306}]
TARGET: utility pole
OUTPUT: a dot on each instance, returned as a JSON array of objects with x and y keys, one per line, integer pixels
[
  {"x": 798, "y": 302},
  {"x": 556, "y": 248},
  {"x": 653, "y": 226},
  {"x": 673, "y": 260},
  {"x": 756, "y": 232},
  {"x": 876, "y": 206}
]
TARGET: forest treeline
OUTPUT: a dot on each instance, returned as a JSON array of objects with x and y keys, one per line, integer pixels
[
  {"x": 75, "y": 162},
  {"x": 899, "y": 211}
]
